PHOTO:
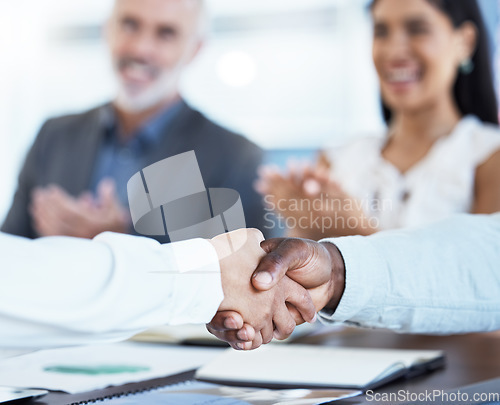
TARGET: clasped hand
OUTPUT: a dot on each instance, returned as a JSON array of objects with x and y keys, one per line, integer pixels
[{"x": 272, "y": 286}]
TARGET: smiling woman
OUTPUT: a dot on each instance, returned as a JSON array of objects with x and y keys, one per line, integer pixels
[
  {"x": 441, "y": 42},
  {"x": 440, "y": 155}
]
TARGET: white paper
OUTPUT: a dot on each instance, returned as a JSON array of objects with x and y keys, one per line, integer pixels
[
  {"x": 28, "y": 370},
  {"x": 311, "y": 365},
  {"x": 5, "y": 354}
]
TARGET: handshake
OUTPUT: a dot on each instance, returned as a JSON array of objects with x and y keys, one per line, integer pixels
[{"x": 270, "y": 286}]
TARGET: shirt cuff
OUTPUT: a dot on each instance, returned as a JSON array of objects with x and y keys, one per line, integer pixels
[
  {"x": 364, "y": 276},
  {"x": 198, "y": 291}
]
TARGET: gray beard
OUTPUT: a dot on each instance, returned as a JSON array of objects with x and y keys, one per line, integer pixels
[{"x": 166, "y": 88}]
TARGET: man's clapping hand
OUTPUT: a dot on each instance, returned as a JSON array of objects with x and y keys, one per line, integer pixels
[{"x": 56, "y": 213}]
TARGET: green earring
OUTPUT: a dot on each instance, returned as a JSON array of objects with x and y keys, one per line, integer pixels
[{"x": 467, "y": 66}]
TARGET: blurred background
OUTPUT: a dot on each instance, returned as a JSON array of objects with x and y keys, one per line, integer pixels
[{"x": 292, "y": 75}]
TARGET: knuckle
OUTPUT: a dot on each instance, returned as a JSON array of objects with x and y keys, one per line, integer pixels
[
  {"x": 304, "y": 297},
  {"x": 231, "y": 337},
  {"x": 289, "y": 329},
  {"x": 294, "y": 243},
  {"x": 256, "y": 344},
  {"x": 273, "y": 260},
  {"x": 255, "y": 234},
  {"x": 294, "y": 250},
  {"x": 278, "y": 335},
  {"x": 267, "y": 315},
  {"x": 303, "y": 300}
]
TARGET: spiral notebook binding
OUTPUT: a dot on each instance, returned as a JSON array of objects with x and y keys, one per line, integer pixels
[{"x": 177, "y": 380}]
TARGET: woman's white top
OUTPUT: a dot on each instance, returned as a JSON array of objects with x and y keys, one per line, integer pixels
[{"x": 439, "y": 185}]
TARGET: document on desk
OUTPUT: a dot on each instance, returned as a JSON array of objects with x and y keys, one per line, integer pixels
[
  {"x": 199, "y": 393},
  {"x": 314, "y": 366},
  {"x": 84, "y": 369}
]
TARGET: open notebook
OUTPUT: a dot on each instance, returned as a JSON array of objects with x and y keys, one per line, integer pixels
[{"x": 315, "y": 366}]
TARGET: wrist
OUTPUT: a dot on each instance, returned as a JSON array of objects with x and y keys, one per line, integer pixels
[{"x": 337, "y": 281}]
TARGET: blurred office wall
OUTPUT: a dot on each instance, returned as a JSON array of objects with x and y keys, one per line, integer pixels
[{"x": 286, "y": 73}]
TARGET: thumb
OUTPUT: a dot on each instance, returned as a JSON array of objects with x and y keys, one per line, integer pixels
[
  {"x": 283, "y": 255},
  {"x": 266, "y": 276}
]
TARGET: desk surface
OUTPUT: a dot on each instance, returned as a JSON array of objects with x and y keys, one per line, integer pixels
[{"x": 470, "y": 359}]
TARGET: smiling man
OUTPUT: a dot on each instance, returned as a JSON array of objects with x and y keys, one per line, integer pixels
[{"x": 74, "y": 179}]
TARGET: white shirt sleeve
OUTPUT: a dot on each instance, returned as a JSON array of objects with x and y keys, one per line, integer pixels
[
  {"x": 441, "y": 279},
  {"x": 63, "y": 291}
]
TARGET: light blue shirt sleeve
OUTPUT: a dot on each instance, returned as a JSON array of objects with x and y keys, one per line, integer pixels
[{"x": 441, "y": 279}]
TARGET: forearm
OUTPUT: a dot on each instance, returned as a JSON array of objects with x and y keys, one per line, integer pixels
[
  {"x": 441, "y": 279},
  {"x": 63, "y": 291}
]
